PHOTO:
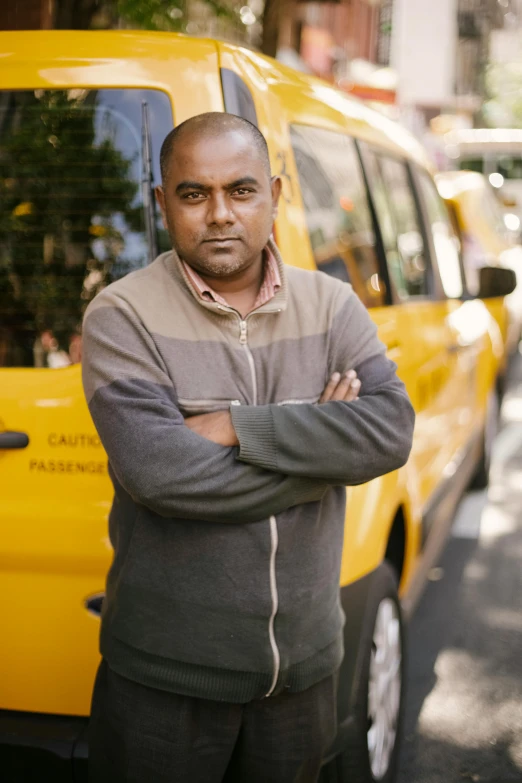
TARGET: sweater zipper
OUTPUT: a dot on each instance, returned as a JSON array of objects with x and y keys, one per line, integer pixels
[
  {"x": 274, "y": 538},
  {"x": 243, "y": 340}
]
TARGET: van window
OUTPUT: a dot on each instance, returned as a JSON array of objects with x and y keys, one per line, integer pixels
[
  {"x": 337, "y": 212},
  {"x": 72, "y": 216},
  {"x": 398, "y": 219},
  {"x": 237, "y": 97},
  {"x": 445, "y": 241}
]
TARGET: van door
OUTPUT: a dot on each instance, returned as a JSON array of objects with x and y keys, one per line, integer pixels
[
  {"x": 420, "y": 314},
  {"x": 466, "y": 323},
  {"x": 75, "y": 214},
  {"x": 341, "y": 232}
]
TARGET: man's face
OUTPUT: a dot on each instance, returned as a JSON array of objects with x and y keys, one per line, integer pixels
[{"x": 218, "y": 203}]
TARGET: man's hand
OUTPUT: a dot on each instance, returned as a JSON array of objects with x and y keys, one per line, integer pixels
[
  {"x": 342, "y": 388},
  {"x": 216, "y": 427}
]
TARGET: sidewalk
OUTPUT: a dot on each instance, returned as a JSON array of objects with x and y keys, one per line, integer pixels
[{"x": 464, "y": 714}]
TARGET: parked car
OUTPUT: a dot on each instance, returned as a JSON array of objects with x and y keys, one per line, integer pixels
[
  {"x": 82, "y": 118},
  {"x": 486, "y": 240},
  {"x": 494, "y": 152}
]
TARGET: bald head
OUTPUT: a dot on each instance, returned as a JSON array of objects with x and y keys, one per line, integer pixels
[{"x": 210, "y": 126}]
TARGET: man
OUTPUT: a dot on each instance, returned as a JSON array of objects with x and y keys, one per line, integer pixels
[{"x": 219, "y": 381}]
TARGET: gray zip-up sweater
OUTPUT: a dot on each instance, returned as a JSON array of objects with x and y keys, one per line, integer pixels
[{"x": 225, "y": 578}]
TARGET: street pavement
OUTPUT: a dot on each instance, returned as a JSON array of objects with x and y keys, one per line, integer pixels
[{"x": 464, "y": 706}]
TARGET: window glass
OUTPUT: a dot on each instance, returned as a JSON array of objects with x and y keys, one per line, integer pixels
[
  {"x": 238, "y": 98},
  {"x": 72, "y": 218},
  {"x": 445, "y": 241},
  {"x": 399, "y": 223},
  {"x": 337, "y": 211}
]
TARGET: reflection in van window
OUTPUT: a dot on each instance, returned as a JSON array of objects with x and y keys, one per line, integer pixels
[
  {"x": 337, "y": 212},
  {"x": 399, "y": 223},
  {"x": 445, "y": 241},
  {"x": 71, "y": 210}
]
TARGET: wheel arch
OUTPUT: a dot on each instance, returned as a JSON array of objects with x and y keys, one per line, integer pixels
[
  {"x": 357, "y": 600},
  {"x": 355, "y": 597},
  {"x": 395, "y": 553}
]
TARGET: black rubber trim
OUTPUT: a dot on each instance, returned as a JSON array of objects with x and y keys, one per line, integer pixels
[
  {"x": 36, "y": 748},
  {"x": 383, "y": 270},
  {"x": 237, "y": 97}
]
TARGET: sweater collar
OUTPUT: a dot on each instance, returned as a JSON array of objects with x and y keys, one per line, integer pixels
[{"x": 276, "y": 304}]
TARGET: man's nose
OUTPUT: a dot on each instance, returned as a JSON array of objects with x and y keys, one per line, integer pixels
[{"x": 220, "y": 211}]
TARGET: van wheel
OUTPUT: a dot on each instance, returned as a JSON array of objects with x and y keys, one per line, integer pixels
[
  {"x": 371, "y": 753},
  {"x": 480, "y": 479}
]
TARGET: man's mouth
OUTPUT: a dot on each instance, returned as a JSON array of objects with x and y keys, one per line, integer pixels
[{"x": 221, "y": 240}]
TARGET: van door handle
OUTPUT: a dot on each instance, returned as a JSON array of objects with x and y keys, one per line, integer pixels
[
  {"x": 94, "y": 603},
  {"x": 393, "y": 345},
  {"x": 13, "y": 440}
]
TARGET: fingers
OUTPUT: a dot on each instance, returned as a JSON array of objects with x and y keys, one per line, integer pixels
[
  {"x": 343, "y": 388},
  {"x": 353, "y": 391},
  {"x": 330, "y": 387}
]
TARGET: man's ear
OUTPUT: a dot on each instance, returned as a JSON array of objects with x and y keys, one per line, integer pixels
[
  {"x": 276, "y": 185},
  {"x": 160, "y": 198}
]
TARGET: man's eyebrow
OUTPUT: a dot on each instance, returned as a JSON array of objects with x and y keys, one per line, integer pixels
[
  {"x": 243, "y": 181},
  {"x": 190, "y": 185}
]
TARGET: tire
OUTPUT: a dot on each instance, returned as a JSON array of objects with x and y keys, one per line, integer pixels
[
  {"x": 378, "y": 710},
  {"x": 480, "y": 478}
]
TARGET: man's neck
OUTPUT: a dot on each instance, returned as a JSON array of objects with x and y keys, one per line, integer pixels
[{"x": 240, "y": 290}]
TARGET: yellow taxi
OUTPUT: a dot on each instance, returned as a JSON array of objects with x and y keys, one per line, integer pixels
[
  {"x": 82, "y": 118},
  {"x": 487, "y": 239}
]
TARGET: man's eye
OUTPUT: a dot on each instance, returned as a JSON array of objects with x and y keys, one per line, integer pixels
[
  {"x": 193, "y": 196},
  {"x": 242, "y": 191}
]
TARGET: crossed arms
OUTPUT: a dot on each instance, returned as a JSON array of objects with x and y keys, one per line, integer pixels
[
  {"x": 218, "y": 427},
  {"x": 287, "y": 454}
]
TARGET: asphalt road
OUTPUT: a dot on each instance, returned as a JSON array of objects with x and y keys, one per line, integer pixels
[{"x": 464, "y": 706}]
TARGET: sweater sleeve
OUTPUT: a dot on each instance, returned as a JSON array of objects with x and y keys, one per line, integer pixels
[
  {"x": 339, "y": 442},
  {"x": 160, "y": 462}
]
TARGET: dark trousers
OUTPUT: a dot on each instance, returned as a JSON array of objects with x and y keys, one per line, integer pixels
[{"x": 142, "y": 735}]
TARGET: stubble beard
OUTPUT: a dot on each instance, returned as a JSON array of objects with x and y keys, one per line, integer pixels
[
  {"x": 216, "y": 267},
  {"x": 213, "y": 266}
]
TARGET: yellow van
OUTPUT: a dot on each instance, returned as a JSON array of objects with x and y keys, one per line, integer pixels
[
  {"x": 486, "y": 241},
  {"x": 82, "y": 118}
]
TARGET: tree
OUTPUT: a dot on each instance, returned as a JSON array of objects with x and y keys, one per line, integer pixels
[
  {"x": 171, "y": 15},
  {"x": 79, "y": 14},
  {"x": 272, "y": 14},
  {"x": 503, "y": 108}
]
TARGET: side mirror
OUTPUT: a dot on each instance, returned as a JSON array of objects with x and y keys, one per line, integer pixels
[{"x": 496, "y": 281}]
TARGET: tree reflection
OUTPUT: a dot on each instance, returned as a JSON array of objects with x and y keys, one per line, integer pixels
[{"x": 67, "y": 198}]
